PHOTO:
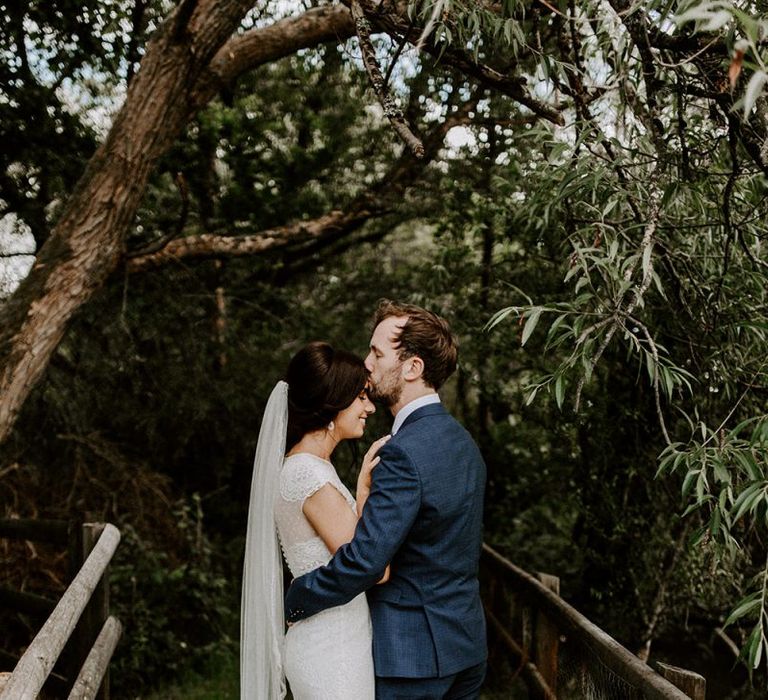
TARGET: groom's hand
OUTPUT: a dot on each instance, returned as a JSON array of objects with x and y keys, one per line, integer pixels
[{"x": 292, "y": 613}]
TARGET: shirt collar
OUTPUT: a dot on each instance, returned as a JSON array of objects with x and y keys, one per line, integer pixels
[{"x": 409, "y": 408}]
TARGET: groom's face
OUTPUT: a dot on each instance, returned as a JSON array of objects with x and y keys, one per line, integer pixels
[{"x": 384, "y": 363}]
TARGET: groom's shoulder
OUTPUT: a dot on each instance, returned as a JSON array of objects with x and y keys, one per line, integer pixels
[{"x": 430, "y": 422}]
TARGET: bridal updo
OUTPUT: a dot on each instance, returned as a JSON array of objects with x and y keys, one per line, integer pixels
[{"x": 322, "y": 381}]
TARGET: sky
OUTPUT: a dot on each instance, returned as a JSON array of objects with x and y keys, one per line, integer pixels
[{"x": 17, "y": 248}]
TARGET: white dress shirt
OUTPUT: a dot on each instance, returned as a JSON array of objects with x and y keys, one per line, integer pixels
[{"x": 410, "y": 407}]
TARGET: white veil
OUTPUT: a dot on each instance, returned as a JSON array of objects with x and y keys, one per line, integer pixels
[{"x": 262, "y": 619}]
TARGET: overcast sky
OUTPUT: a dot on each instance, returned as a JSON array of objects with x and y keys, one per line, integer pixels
[{"x": 17, "y": 247}]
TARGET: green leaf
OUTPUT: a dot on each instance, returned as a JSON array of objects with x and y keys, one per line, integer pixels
[
  {"x": 530, "y": 324},
  {"x": 688, "y": 481},
  {"x": 499, "y": 316},
  {"x": 701, "y": 485},
  {"x": 669, "y": 193},
  {"x": 755, "y": 646},
  {"x": 650, "y": 364},
  {"x": 559, "y": 390},
  {"x": 747, "y": 499},
  {"x": 721, "y": 473},
  {"x": 734, "y": 433},
  {"x": 555, "y": 325},
  {"x": 714, "y": 525},
  {"x": 754, "y": 88}
]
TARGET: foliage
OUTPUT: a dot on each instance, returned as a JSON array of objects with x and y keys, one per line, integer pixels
[
  {"x": 744, "y": 29},
  {"x": 175, "y": 613},
  {"x": 572, "y": 494},
  {"x": 661, "y": 263},
  {"x": 215, "y": 679},
  {"x": 61, "y": 68}
]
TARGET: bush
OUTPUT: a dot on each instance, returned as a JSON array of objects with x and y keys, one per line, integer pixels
[{"x": 176, "y": 610}]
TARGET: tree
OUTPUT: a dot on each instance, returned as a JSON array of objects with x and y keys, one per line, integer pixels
[{"x": 185, "y": 63}]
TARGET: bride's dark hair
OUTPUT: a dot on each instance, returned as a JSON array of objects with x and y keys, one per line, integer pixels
[{"x": 321, "y": 382}]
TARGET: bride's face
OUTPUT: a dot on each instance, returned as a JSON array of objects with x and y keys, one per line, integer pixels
[{"x": 350, "y": 422}]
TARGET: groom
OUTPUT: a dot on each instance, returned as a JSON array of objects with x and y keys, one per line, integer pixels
[{"x": 423, "y": 515}]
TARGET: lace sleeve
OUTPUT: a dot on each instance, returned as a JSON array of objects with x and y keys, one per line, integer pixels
[{"x": 304, "y": 475}]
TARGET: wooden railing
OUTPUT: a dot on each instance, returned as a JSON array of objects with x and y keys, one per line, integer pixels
[
  {"x": 526, "y": 617},
  {"x": 82, "y": 614},
  {"x": 538, "y": 630}
]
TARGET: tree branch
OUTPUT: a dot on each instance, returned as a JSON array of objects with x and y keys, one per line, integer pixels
[
  {"x": 254, "y": 48},
  {"x": 634, "y": 20},
  {"x": 332, "y": 226},
  {"x": 391, "y": 110},
  {"x": 392, "y": 17}
]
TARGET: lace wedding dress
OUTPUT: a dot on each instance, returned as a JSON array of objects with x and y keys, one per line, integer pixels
[{"x": 327, "y": 656}]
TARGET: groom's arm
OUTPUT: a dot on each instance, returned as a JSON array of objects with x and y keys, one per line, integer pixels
[{"x": 387, "y": 517}]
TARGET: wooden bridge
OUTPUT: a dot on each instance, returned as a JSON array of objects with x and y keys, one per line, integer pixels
[
  {"x": 533, "y": 633},
  {"x": 81, "y": 617},
  {"x": 558, "y": 652}
]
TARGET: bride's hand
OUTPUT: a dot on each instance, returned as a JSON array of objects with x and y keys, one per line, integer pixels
[{"x": 370, "y": 460}]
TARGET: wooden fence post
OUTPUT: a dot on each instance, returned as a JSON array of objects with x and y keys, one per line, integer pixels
[
  {"x": 546, "y": 638},
  {"x": 72, "y": 656},
  {"x": 97, "y": 611},
  {"x": 691, "y": 683}
]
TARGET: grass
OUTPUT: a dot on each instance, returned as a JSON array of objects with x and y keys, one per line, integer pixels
[{"x": 218, "y": 679}]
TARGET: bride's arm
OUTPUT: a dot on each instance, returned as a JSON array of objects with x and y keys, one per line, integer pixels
[
  {"x": 334, "y": 521},
  {"x": 330, "y": 515},
  {"x": 388, "y": 516}
]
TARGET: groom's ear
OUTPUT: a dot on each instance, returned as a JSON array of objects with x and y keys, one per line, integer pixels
[{"x": 413, "y": 368}]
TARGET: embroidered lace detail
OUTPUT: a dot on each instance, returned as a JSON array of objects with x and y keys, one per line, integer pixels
[
  {"x": 302, "y": 476},
  {"x": 329, "y": 655},
  {"x": 305, "y": 556}
]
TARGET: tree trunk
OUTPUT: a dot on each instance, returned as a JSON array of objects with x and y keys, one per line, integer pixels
[{"x": 180, "y": 72}]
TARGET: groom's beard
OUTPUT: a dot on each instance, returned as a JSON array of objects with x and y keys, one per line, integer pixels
[{"x": 389, "y": 389}]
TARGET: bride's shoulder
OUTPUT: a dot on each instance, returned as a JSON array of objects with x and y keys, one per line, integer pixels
[
  {"x": 305, "y": 463},
  {"x": 302, "y": 474}
]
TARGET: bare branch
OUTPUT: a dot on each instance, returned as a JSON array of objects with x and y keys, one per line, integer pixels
[
  {"x": 391, "y": 110},
  {"x": 332, "y": 226},
  {"x": 393, "y": 19},
  {"x": 655, "y": 353},
  {"x": 257, "y": 47}
]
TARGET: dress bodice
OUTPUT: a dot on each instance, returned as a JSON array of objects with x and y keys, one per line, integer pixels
[{"x": 302, "y": 475}]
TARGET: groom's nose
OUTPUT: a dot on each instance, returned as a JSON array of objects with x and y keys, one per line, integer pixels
[{"x": 369, "y": 361}]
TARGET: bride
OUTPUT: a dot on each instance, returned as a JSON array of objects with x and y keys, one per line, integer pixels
[{"x": 298, "y": 501}]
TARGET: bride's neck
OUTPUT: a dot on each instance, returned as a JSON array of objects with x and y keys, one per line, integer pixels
[{"x": 319, "y": 443}]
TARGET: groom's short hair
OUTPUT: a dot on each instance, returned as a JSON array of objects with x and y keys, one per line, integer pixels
[{"x": 424, "y": 335}]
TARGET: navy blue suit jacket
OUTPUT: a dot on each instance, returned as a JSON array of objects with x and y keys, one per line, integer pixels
[{"x": 424, "y": 517}]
